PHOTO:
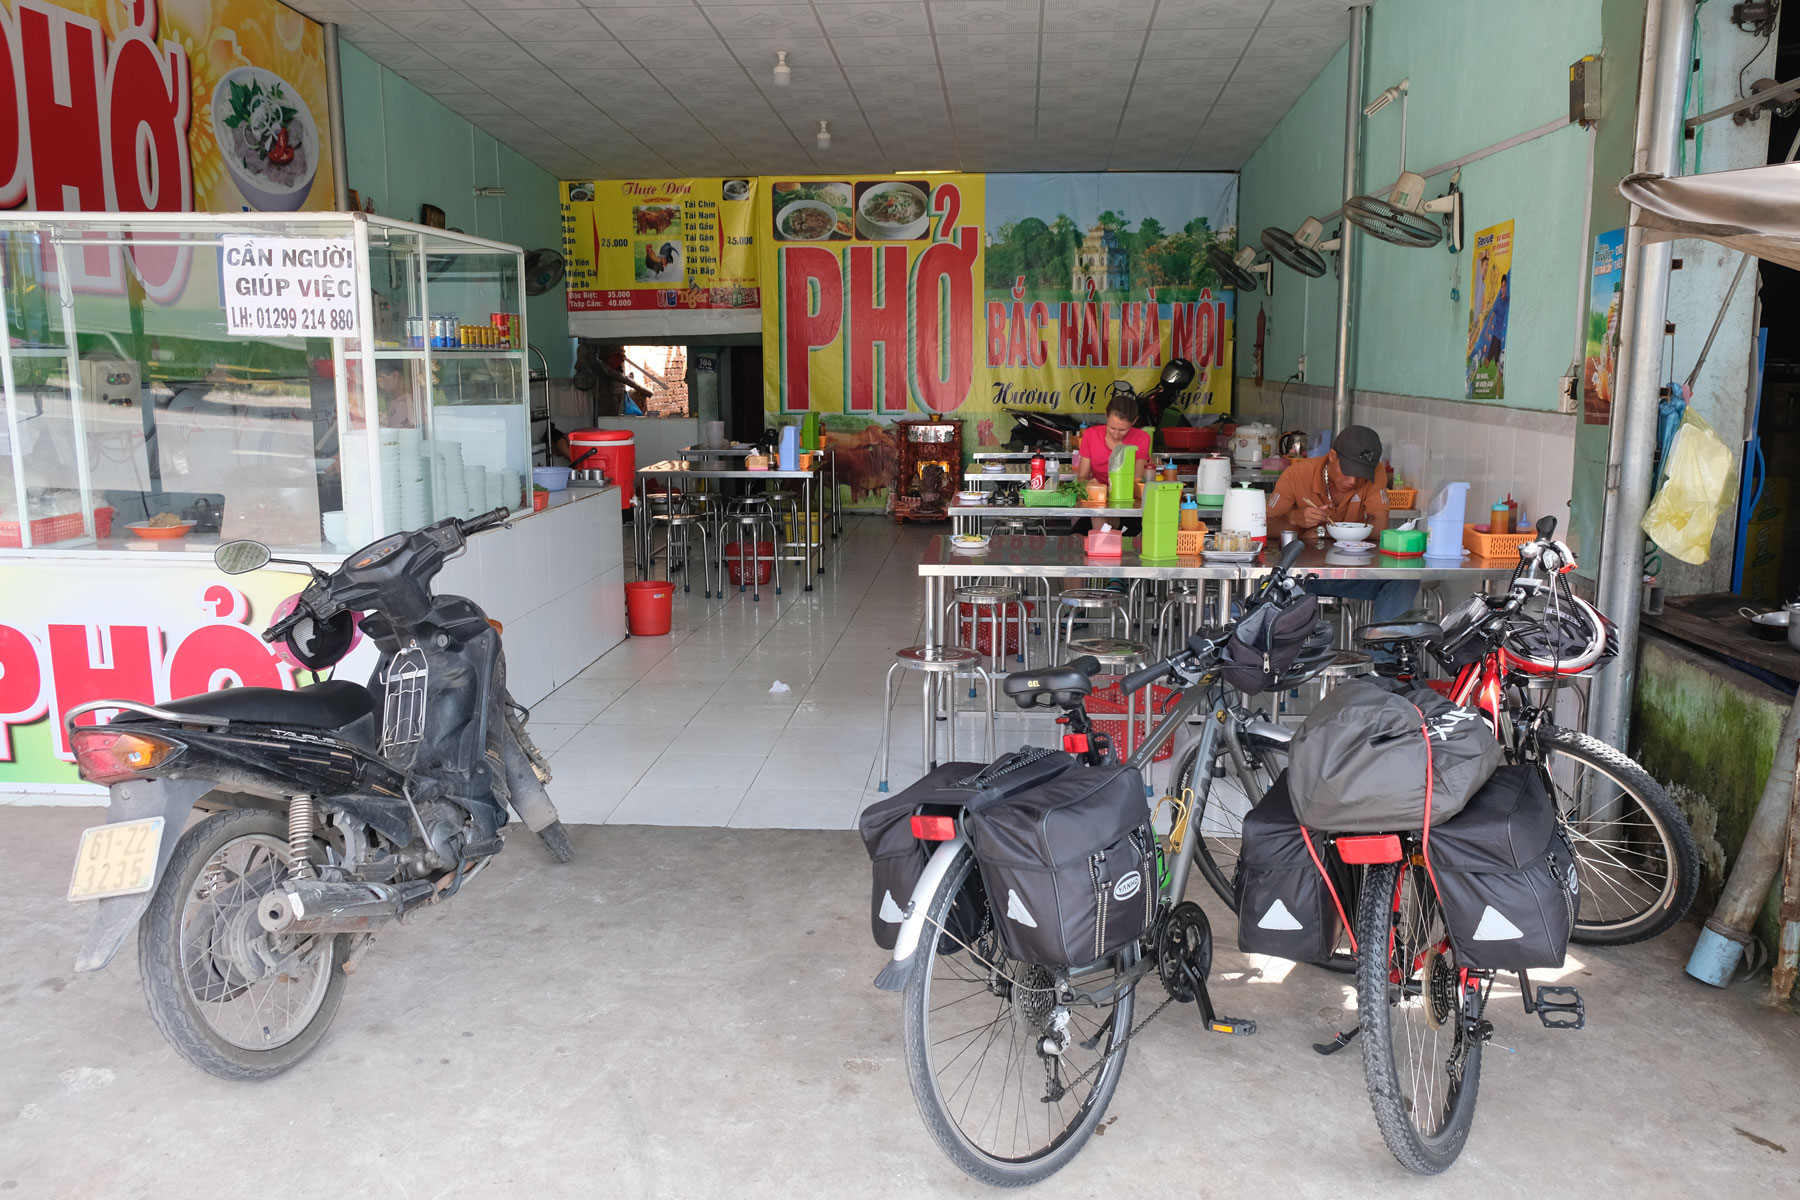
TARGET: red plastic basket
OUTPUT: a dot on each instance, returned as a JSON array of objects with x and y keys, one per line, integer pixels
[
  {"x": 48, "y": 530},
  {"x": 976, "y": 631},
  {"x": 1112, "y": 700},
  {"x": 740, "y": 556}
]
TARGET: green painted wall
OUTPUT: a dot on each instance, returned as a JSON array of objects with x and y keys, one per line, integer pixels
[
  {"x": 1479, "y": 74},
  {"x": 406, "y": 149}
]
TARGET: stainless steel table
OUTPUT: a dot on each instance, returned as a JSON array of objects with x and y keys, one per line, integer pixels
[
  {"x": 700, "y": 453},
  {"x": 1066, "y": 455},
  {"x": 966, "y": 518},
  {"x": 1038, "y": 556},
  {"x": 1259, "y": 477},
  {"x": 812, "y": 505}
]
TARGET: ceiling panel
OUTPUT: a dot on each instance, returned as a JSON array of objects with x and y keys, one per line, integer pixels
[{"x": 1061, "y": 85}]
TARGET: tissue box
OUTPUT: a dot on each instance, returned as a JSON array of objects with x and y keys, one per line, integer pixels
[{"x": 1105, "y": 543}]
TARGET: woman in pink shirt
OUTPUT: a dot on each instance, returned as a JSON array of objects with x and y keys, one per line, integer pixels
[{"x": 1097, "y": 445}]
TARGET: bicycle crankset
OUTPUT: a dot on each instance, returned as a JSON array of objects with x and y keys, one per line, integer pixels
[{"x": 1184, "y": 951}]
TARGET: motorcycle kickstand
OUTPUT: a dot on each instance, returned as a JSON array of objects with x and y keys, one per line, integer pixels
[{"x": 1339, "y": 1042}]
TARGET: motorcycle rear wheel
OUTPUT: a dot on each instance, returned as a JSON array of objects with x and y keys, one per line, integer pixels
[{"x": 222, "y": 1021}]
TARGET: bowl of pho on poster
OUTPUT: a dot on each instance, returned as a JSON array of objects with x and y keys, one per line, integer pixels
[
  {"x": 267, "y": 137},
  {"x": 896, "y": 212},
  {"x": 806, "y": 221}
]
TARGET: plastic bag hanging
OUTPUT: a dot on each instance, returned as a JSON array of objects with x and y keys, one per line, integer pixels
[{"x": 1699, "y": 477}]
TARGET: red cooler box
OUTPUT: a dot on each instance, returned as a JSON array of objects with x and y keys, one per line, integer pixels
[{"x": 614, "y": 452}]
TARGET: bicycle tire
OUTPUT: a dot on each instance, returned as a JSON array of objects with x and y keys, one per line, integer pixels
[
  {"x": 1673, "y": 896},
  {"x": 957, "y": 1143},
  {"x": 1378, "y": 999}
]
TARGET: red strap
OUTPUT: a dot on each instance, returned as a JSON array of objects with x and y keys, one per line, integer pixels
[
  {"x": 1323, "y": 874},
  {"x": 1425, "y": 729}
]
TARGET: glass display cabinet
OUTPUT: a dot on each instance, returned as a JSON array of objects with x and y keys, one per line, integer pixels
[{"x": 176, "y": 379}]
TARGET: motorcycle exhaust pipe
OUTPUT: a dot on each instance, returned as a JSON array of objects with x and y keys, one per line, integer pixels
[{"x": 314, "y": 906}]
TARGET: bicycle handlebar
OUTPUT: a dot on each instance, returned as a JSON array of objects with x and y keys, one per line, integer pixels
[{"x": 1147, "y": 675}]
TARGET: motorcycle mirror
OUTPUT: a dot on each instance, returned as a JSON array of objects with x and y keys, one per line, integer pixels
[{"x": 240, "y": 557}]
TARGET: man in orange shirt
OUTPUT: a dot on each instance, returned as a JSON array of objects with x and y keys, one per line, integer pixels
[{"x": 1344, "y": 484}]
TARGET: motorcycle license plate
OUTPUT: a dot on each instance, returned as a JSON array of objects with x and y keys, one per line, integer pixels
[{"x": 116, "y": 860}]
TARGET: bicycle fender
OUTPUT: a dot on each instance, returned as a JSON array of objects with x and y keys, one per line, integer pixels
[
  {"x": 114, "y": 917},
  {"x": 893, "y": 977}
]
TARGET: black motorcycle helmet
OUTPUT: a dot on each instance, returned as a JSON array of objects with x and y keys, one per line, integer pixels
[
  {"x": 319, "y": 644},
  {"x": 1176, "y": 375}
]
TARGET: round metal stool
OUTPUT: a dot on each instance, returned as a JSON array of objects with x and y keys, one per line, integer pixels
[
  {"x": 1119, "y": 657},
  {"x": 1346, "y": 664},
  {"x": 1080, "y": 601},
  {"x": 1181, "y": 614},
  {"x": 1000, "y": 607},
  {"x": 941, "y": 665},
  {"x": 686, "y": 522},
  {"x": 748, "y": 520}
]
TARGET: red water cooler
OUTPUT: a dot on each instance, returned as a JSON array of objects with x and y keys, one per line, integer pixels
[{"x": 614, "y": 452}]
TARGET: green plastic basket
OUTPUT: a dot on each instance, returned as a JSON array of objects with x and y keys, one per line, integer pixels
[{"x": 1045, "y": 498}]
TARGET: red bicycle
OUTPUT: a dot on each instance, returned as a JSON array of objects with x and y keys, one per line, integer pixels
[{"x": 1508, "y": 654}]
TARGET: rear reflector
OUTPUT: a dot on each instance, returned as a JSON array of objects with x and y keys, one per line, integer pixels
[
  {"x": 934, "y": 829},
  {"x": 1360, "y": 851},
  {"x": 1075, "y": 743}
]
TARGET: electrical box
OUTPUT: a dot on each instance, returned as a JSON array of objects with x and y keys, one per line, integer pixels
[{"x": 1584, "y": 90}]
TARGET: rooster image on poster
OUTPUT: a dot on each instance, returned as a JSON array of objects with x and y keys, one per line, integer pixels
[{"x": 659, "y": 259}]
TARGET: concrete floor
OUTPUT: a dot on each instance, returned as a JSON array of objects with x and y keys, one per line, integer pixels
[{"x": 688, "y": 1013}]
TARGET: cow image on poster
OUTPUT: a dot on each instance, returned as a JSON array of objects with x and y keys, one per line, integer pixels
[{"x": 867, "y": 461}]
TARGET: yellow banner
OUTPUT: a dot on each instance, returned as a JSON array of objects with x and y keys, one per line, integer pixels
[
  {"x": 965, "y": 295},
  {"x": 191, "y": 105},
  {"x": 660, "y": 243}
]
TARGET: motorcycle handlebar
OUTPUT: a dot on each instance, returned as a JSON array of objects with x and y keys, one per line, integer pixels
[{"x": 486, "y": 520}]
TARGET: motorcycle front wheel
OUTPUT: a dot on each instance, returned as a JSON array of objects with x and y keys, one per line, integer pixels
[{"x": 232, "y": 999}]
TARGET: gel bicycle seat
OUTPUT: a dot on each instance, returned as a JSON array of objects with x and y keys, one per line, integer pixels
[{"x": 1054, "y": 687}]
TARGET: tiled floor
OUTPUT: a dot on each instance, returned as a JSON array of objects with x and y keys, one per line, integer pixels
[{"x": 684, "y": 729}]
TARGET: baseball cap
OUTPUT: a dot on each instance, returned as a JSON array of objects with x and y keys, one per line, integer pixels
[{"x": 1358, "y": 449}]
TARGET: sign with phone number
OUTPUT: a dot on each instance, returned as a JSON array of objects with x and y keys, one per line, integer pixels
[{"x": 289, "y": 286}]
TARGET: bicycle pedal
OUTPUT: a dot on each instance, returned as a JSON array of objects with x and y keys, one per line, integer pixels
[
  {"x": 1235, "y": 1026},
  {"x": 1561, "y": 1014}
]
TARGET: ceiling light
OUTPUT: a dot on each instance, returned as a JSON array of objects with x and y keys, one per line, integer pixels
[
  {"x": 824, "y": 138},
  {"x": 784, "y": 74},
  {"x": 1386, "y": 98}
]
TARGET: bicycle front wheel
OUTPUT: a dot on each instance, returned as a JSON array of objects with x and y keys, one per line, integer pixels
[
  {"x": 1638, "y": 865},
  {"x": 1218, "y": 818},
  {"x": 1421, "y": 1062},
  {"x": 1011, "y": 1070}
]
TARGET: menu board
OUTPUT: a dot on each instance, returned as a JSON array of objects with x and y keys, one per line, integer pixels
[{"x": 638, "y": 244}]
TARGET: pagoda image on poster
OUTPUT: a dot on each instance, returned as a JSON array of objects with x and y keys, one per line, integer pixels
[{"x": 1490, "y": 299}]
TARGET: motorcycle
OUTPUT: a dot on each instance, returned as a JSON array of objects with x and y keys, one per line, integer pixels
[
  {"x": 1033, "y": 430},
  {"x": 331, "y": 812},
  {"x": 1171, "y": 385}
]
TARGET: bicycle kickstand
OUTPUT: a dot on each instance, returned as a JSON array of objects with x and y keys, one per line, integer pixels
[{"x": 1339, "y": 1042}]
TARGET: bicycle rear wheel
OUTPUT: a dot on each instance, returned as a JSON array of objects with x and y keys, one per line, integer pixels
[
  {"x": 1639, "y": 866},
  {"x": 1004, "y": 1108},
  {"x": 1422, "y": 1065}
]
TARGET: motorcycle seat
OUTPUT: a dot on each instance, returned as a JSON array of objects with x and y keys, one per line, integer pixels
[{"x": 329, "y": 705}]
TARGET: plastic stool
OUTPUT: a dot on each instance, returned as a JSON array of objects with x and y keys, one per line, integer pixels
[{"x": 941, "y": 665}]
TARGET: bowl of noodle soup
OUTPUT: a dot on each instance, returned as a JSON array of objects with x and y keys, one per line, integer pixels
[
  {"x": 806, "y": 221},
  {"x": 893, "y": 212},
  {"x": 267, "y": 137}
]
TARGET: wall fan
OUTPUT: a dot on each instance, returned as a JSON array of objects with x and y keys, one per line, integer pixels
[
  {"x": 1404, "y": 217},
  {"x": 544, "y": 269},
  {"x": 1241, "y": 269},
  {"x": 1300, "y": 250}
]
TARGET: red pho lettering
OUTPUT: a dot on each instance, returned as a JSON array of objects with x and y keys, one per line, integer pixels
[
  {"x": 811, "y": 314},
  {"x": 21, "y": 685},
  {"x": 877, "y": 315},
  {"x": 99, "y": 662},
  {"x": 943, "y": 345}
]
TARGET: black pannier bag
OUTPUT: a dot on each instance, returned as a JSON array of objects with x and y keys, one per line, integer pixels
[
  {"x": 1506, "y": 876},
  {"x": 898, "y": 859},
  {"x": 1286, "y": 906},
  {"x": 1359, "y": 762},
  {"x": 1070, "y": 865},
  {"x": 1267, "y": 642}
]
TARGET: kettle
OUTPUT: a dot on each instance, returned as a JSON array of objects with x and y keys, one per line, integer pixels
[
  {"x": 1246, "y": 510},
  {"x": 1292, "y": 444}
]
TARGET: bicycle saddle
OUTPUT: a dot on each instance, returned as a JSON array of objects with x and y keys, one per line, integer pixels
[
  {"x": 1399, "y": 631},
  {"x": 1054, "y": 687}
]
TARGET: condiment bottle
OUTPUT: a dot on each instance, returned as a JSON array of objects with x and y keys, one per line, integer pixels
[
  {"x": 1190, "y": 513},
  {"x": 1500, "y": 518}
]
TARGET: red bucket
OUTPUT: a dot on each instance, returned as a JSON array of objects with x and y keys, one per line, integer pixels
[
  {"x": 739, "y": 556},
  {"x": 649, "y": 607}
]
